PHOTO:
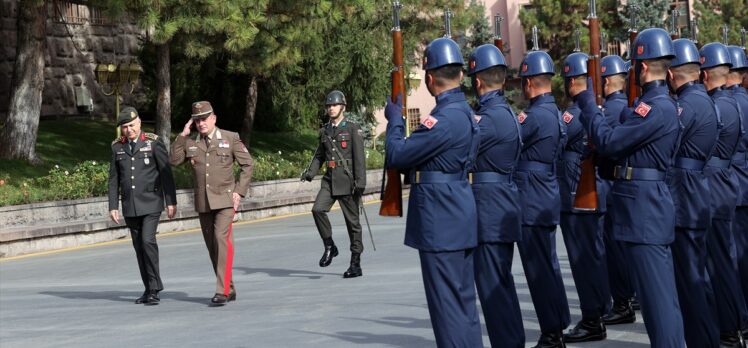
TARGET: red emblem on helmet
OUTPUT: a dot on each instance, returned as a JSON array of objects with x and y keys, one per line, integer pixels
[
  {"x": 566, "y": 68},
  {"x": 472, "y": 64},
  {"x": 702, "y": 60},
  {"x": 524, "y": 67},
  {"x": 640, "y": 49},
  {"x": 602, "y": 70}
]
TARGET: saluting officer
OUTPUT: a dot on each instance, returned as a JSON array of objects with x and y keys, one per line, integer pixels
[
  {"x": 723, "y": 185},
  {"x": 140, "y": 174},
  {"x": 543, "y": 138},
  {"x": 738, "y": 72},
  {"x": 614, "y": 71},
  {"x": 582, "y": 230},
  {"x": 341, "y": 147},
  {"x": 497, "y": 199},
  {"x": 642, "y": 208},
  {"x": 442, "y": 219},
  {"x": 212, "y": 153},
  {"x": 689, "y": 186}
]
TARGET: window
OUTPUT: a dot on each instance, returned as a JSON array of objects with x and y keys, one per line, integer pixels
[
  {"x": 72, "y": 13},
  {"x": 414, "y": 118}
]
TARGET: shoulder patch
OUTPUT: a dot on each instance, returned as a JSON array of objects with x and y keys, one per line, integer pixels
[
  {"x": 119, "y": 140},
  {"x": 568, "y": 117},
  {"x": 151, "y": 136},
  {"x": 642, "y": 109},
  {"x": 477, "y": 118},
  {"x": 428, "y": 121},
  {"x": 522, "y": 117}
]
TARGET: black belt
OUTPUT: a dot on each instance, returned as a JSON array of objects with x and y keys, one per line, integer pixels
[
  {"x": 534, "y": 166},
  {"x": 419, "y": 177},
  {"x": 643, "y": 174},
  {"x": 716, "y": 162},
  {"x": 333, "y": 164},
  {"x": 489, "y": 177},
  {"x": 571, "y": 155},
  {"x": 689, "y": 163}
]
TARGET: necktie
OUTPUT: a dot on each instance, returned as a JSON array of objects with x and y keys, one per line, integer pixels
[
  {"x": 132, "y": 147},
  {"x": 207, "y": 142}
]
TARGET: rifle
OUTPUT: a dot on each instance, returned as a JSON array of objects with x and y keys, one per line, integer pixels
[
  {"x": 742, "y": 38},
  {"x": 392, "y": 188},
  {"x": 535, "y": 45},
  {"x": 497, "y": 40},
  {"x": 603, "y": 45},
  {"x": 448, "y": 23},
  {"x": 725, "y": 34},
  {"x": 577, "y": 40},
  {"x": 586, "y": 194},
  {"x": 694, "y": 29},
  {"x": 633, "y": 91},
  {"x": 673, "y": 24}
]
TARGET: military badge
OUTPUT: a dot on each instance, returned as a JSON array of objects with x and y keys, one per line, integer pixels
[
  {"x": 568, "y": 117},
  {"x": 522, "y": 117},
  {"x": 477, "y": 118},
  {"x": 680, "y": 110},
  {"x": 428, "y": 121},
  {"x": 223, "y": 144},
  {"x": 566, "y": 69},
  {"x": 146, "y": 161},
  {"x": 602, "y": 70},
  {"x": 472, "y": 64},
  {"x": 344, "y": 144},
  {"x": 640, "y": 49},
  {"x": 643, "y": 109}
]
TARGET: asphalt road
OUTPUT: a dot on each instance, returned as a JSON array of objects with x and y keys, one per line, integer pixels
[{"x": 84, "y": 297}]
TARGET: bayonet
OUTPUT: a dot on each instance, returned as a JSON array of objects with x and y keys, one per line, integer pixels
[
  {"x": 497, "y": 39},
  {"x": 448, "y": 23},
  {"x": 674, "y": 22},
  {"x": 725, "y": 33},
  {"x": 535, "y": 46},
  {"x": 396, "y": 6},
  {"x": 632, "y": 18},
  {"x": 603, "y": 44},
  {"x": 577, "y": 40},
  {"x": 742, "y": 38},
  {"x": 694, "y": 29}
]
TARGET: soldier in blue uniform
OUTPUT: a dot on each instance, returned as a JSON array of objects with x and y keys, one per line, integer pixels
[
  {"x": 642, "y": 208},
  {"x": 582, "y": 230},
  {"x": 442, "y": 219},
  {"x": 543, "y": 136},
  {"x": 497, "y": 199},
  {"x": 688, "y": 187},
  {"x": 723, "y": 185},
  {"x": 614, "y": 71},
  {"x": 740, "y": 167}
]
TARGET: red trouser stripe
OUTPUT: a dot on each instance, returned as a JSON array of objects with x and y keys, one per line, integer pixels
[{"x": 229, "y": 260}]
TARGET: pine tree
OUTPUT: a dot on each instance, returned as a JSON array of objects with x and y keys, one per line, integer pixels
[{"x": 713, "y": 14}]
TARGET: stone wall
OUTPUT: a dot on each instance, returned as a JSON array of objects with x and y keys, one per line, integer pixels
[{"x": 73, "y": 50}]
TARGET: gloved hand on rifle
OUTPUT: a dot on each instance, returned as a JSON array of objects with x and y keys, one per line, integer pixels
[
  {"x": 358, "y": 191},
  {"x": 394, "y": 110},
  {"x": 307, "y": 176}
]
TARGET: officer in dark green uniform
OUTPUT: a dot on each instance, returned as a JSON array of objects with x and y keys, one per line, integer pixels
[
  {"x": 341, "y": 148},
  {"x": 140, "y": 175}
]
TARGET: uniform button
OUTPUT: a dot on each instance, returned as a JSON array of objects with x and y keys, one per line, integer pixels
[
  {"x": 206, "y": 174},
  {"x": 207, "y": 164},
  {"x": 133, "y": 187},
  {"x": 133, "y": 158},
  {"x": 132, "y": 177},
  {"x": 229, "y": 190},
  {"x": 207, "y": 154},
  {"x": 133, "y": 168},
  {"x": 207, "y": 185}
]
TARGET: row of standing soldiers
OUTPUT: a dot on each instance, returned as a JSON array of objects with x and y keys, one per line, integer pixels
[{"x": 672, "y": 177}]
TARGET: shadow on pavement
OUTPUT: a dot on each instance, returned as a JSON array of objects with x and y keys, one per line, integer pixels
[
  {"x": 124, "y": 296},
  {"x": 285, "y": 273},
  {"x": 362, "y": 338},
  {"x": 403, "y": 322}
]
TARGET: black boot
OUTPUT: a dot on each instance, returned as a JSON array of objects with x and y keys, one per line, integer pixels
[
  {"x": 635, "y": 304},
  {"x": 587, "y": 330},
  {"x": 355, "y": 268},
  {"x": 622, "y": 313},
  {"x": 330, "y": 251},
  {"x": 729, "y": 339},
  {"x": 551, "y": 340}
]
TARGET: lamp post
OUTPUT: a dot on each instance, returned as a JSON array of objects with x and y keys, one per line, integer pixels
[
  {"x": 412, "y": 81},
  {"x": 116, "y": 78}
]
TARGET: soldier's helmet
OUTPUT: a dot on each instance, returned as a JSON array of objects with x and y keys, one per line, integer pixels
[
  {"x": 536, "y": 63},
  {"x": 714, "y": 54},
  {"x": 335, "y": 98},
  {"x": 685, "y": 53},
  {"x": 575, "y": 64},
  {"x": 653, "y": 43},
  {"x": 612, "y": 65},
  {"x": 485, "y": 57},
  {"x": 440, "y": 52},
  {"x": 738, "y": 58}
]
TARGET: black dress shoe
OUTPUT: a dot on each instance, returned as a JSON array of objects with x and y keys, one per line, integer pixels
[
  {"x": 587, "y": 330},
  {"x": 143, "y": 298},
  {"x": 622, "y": 313},
  {"x": 232, "y": 297},
  {"x": 354, "y": 270},
  {"x": 152, "y": 299},
  {"x": 551, "y": 340},
  {"x": 729, "y": 340},
  {"x": 219, "y": 300},
  {"x": 635, "y": 304},
  {"x": 330, "y": 252}
]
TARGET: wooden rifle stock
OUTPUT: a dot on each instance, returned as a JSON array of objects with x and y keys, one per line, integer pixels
[
  {"x": 392, "y": 192},
  {"x": 586, "y": 193},
  {"x": 498, "y": 41}
]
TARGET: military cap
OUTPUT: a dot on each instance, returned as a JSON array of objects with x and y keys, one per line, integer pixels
[
  {"x": 335, "y": 98},
  {"x": 201, "y": 109},
  {"x": 126, "y": 115}
]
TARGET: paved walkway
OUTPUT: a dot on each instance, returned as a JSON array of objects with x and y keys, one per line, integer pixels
[{"x": 84, "y": 297}]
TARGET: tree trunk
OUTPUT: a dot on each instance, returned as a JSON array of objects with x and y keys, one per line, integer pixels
[
  {"x": 163, "y": 104},
  {"x": 18, "y": 137},
  {"x": 249, "y": 112}
]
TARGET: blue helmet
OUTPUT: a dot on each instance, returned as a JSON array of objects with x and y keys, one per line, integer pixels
[
  {"x": 575, "y": 64},
  {"x": 485, "y": 57},
  {"x": 685, "y": 53},
  {"x": 440, "y": 52},
  {"x": 714, "y": 54},
  {"x": 613, "y": 65},
  {"x": 738, "y": 58},
  {"x": 536, "y": 63},
  {"x": 653, "y": 43}
]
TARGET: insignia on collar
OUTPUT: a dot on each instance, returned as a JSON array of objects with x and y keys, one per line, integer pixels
[
  {"x": 428, "y": 121},
  {"x": 643, "y": 109},
  {"x": 522, "y": 117},
  {"x": 680, "y": 110},
  {"x": 568, "y": 117}
]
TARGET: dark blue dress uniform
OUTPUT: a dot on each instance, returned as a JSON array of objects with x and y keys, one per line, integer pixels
[
  {"x": 499, "y": 220},
  {"x": 543, "y": 134},
  {"x": 642, "y": 208},
  {"x": 688, "y": 187}
]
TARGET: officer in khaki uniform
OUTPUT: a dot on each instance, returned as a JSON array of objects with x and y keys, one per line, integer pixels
[
  {"x": 212, "y": 153},
  {"x": 341, "y": 147},
  {"x": 140, "y": 174}
]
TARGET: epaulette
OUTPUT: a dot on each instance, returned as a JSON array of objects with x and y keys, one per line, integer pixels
[
  {"x": 151, "y": 136},
  {"x": 119, "y": 140}
]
